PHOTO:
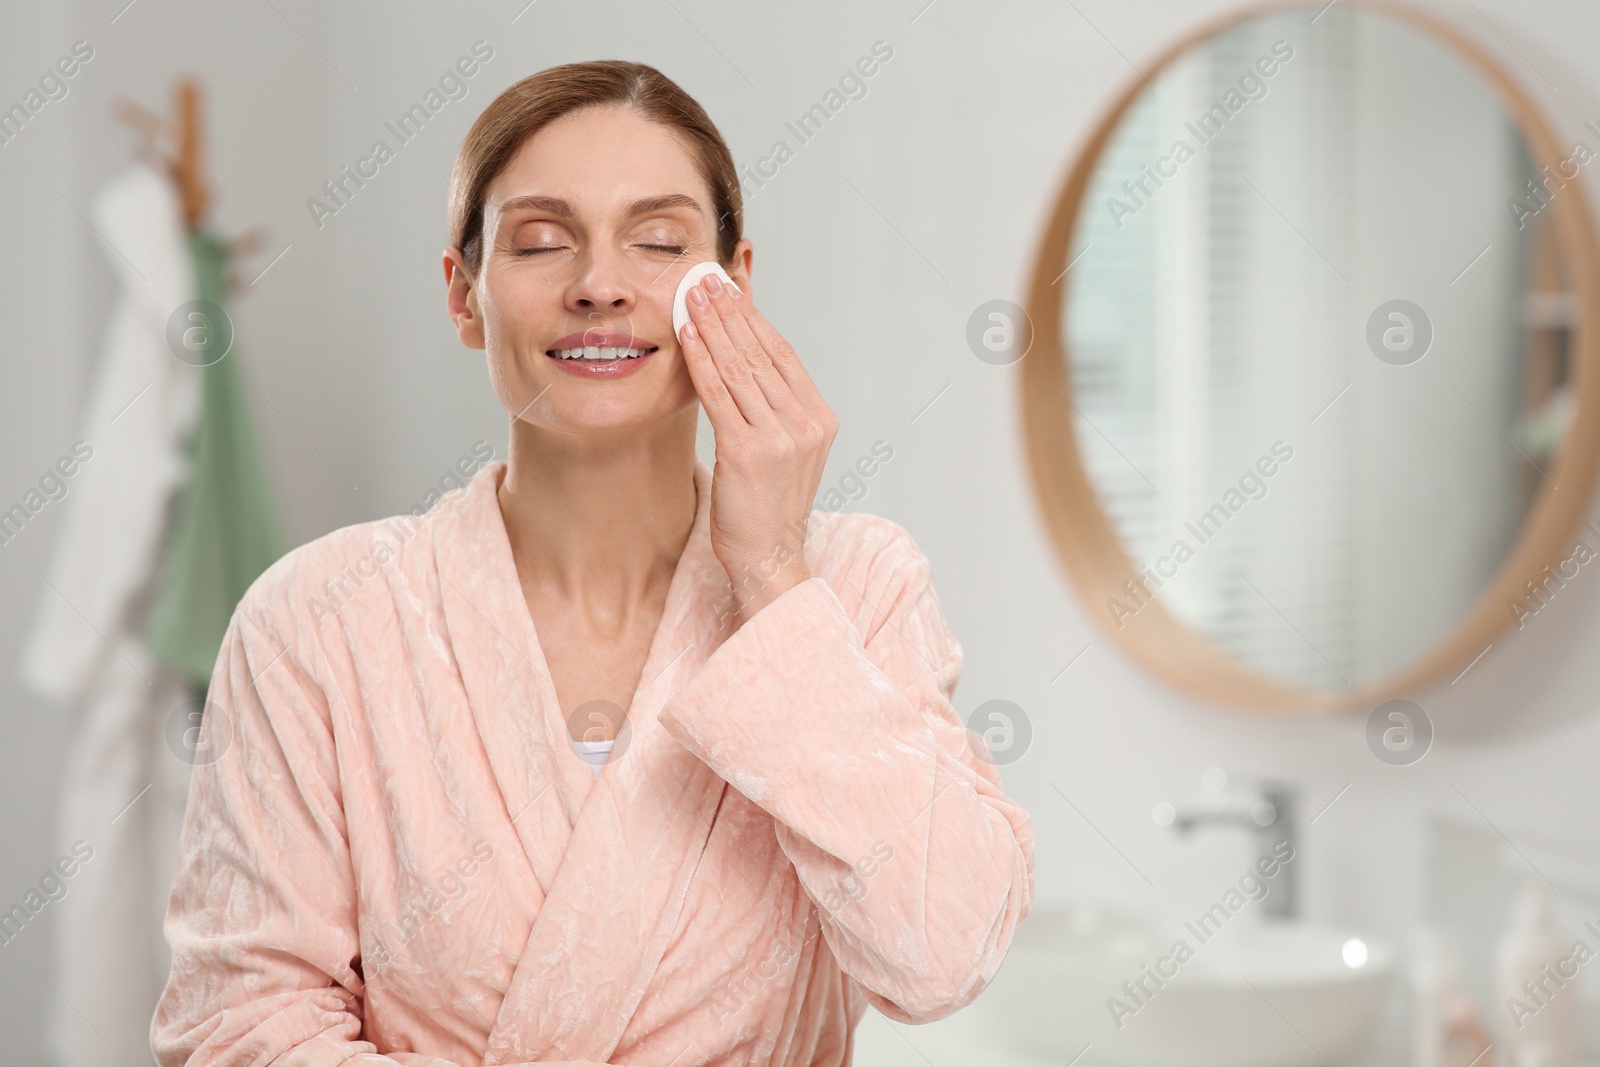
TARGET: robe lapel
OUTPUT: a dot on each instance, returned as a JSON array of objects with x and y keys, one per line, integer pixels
[
  {"x": 503, "y": 671},
  {"x": 614, "y": 853}
]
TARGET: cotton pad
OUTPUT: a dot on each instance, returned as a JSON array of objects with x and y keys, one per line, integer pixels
[{"x": 680, "y": 307}]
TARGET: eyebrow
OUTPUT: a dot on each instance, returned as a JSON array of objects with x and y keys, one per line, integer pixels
[{"x": 554, "y": 205}]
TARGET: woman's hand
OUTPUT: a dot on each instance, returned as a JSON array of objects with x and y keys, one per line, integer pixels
[{"x": 773, "y": 434}]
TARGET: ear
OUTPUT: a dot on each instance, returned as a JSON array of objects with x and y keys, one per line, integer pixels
[
  {"x": 743, "y": 253},
  {"x": 461, "y": 299}
]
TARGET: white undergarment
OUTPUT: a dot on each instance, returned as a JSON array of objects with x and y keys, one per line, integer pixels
[{"x": 594, "y": 753}]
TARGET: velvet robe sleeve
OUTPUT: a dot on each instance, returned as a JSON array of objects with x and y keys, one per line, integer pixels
[
  {"x": 919, "y": 865},
  {"x": 262, "y": 915}
]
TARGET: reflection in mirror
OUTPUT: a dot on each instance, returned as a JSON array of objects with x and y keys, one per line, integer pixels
[{"x": 1317, "y": 337}]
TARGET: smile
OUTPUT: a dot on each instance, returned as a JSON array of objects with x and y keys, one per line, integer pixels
[
  {"x": 599, "y": 347},
  {"x": 599, "y": 353}
]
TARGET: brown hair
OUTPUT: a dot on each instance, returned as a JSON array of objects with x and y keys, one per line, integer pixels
[{"x": 540, "y": 99}]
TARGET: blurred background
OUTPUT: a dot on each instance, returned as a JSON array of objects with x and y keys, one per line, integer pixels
[{"x": 876, "y": 241}]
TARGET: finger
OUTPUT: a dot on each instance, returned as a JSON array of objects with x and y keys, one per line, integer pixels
[
  {"x": 734, "y": 320},
  {"x": 782, "y": 354},
  {"x": 737, "y": 376},
  {"x": 714, "y": 396}
]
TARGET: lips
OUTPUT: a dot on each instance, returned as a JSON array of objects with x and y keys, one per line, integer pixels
[{"x": 596, "y": 338}]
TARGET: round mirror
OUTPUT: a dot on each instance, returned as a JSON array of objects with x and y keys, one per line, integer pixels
[{"x": 1311, "y": 403}]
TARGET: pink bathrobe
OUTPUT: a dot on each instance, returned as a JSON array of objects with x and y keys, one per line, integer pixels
[{"x": 393, "y": 855}]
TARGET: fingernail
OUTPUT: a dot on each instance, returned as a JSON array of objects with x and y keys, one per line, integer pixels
[
  {"x": 697, "y": 296},
  {"x": 689, "y": 332},
  {"x": 713, "y": 283},
  {"x": 738, "y": 293}
]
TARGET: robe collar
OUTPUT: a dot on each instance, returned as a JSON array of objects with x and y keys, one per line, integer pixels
[{"x": 613, "y": 852}]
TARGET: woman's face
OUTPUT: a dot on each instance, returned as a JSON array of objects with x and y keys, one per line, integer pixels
[{"x": 586, "y": 234}]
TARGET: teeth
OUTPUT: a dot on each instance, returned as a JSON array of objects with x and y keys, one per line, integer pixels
[{"x": 594, "y": 352}]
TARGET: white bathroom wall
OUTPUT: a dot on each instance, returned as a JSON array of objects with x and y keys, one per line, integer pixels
[
  {"x": 873, "y": 244},
  {"x": 43, "y": 358}
]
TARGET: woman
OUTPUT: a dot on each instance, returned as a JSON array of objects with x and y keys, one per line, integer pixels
[{"x": 396, "y": 849}]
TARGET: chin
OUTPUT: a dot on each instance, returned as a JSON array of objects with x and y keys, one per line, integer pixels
[{"x": 635, "y": 410}]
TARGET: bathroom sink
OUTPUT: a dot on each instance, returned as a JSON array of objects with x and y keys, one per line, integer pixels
[{"x": 1245, "y": 993}]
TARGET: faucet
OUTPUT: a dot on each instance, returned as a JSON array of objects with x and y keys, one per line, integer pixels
[{"x": 1270, "y": 816}]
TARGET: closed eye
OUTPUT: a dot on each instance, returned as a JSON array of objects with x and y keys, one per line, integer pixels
[{"x": 675, "y": 250}]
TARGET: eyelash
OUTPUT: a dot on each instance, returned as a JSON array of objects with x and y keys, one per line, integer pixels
[{"x": 676, "y": 250}]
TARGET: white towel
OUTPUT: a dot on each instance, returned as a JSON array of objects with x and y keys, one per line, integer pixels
[{"x": 116, "y": 507}]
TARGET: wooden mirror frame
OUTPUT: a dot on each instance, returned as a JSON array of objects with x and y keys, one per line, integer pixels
[{"x": 1088, "y": 547}]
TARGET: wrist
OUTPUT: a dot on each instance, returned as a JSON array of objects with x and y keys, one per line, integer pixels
[{"x": 751, "y": 596}]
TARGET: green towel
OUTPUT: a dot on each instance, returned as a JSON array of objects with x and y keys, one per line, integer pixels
[{"x": 225, "y": 530}]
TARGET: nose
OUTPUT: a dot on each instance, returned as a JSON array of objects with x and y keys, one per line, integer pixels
[{"x": 601, "y": 285}]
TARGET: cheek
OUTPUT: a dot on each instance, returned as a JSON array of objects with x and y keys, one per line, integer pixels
[
  {"x": 505, "y": 358},
  {"x": 498, "y": 309},
  {"x": 515, "y": 308},
  {"x": 501, "y": 379},
  {"x": 680, "y": 388},
  {"x": 677, "y": 368},
  {"x": 655, "y": 308}
]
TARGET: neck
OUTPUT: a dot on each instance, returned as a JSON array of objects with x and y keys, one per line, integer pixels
[{"x": 600, "y": 520}]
